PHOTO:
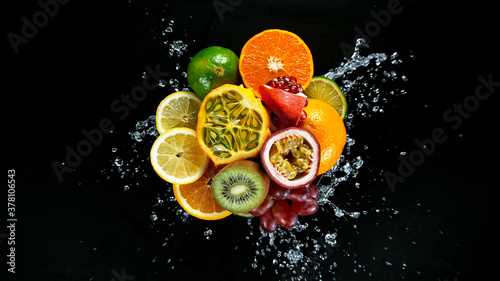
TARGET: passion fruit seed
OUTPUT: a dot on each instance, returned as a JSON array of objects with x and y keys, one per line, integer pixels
[
  {"x": 278, "y": 160},
  {"x": 290, "y": 156}
]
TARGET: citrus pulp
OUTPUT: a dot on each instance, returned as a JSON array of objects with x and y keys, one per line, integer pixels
[
  {"x": 274, "y": 53},
  {"x": 177, "y": 158},
  {"x": 197, "y": 198},
  {"x": 178, "y": 110},
  {"x": 324, "y": 89}
]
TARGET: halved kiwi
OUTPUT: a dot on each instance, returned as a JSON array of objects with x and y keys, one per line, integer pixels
[{"x": 240, "y": 186}]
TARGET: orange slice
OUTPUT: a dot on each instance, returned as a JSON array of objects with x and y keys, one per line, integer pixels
[
  {"x": 197, "y": 198},
  {"x": 273, "y": 53}
]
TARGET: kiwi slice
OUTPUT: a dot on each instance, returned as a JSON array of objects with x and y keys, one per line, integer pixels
[
  {"x": 244, "y": 215},
  {"x": 240, "y": 186}
]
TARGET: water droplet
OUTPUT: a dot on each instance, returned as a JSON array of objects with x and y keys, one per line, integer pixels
[
  {"x": 162, "y": 83},
  {"x": 207, "y": 233},
  {"x": 178, "y": 47},
  {"x": 174, "y": 83},
  {"x": 153, "y": 216},
  {"x": 294, "y": 255},
  {"x": 141, "y": 125},
  {"x": 118, "y": 162}
]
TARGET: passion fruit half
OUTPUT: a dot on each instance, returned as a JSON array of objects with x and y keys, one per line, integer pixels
[{"x": 291, "y": 157}]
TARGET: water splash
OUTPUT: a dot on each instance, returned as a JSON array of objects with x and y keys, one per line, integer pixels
[
  {"x": 143, "y": 128},
  {"x": 299, "y": 253},
  {"x": 305, "y": 251},
  {"x": 356, "y": 61},
  {"x": 177, "y": 48}
]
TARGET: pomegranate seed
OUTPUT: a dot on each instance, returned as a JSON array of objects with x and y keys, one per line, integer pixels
[
  {"x": 303, "y": 115},
  {"x": 286, "y": 83}
]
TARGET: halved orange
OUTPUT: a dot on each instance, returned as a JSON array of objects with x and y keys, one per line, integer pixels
[
  {"x": 232, "y": 124},
  {"x": 273, "y": 53},
  {"x": 197, "y": 198}
]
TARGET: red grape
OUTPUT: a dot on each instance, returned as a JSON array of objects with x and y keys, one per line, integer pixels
[
  {"x": 284, "y": 214},
  {"x": 313, "y": 191},
  {"x": 263, "y": 207},
  {"x": 267, "y": 221},
  {"x": 278, "y": 192},
  {"x": 299, "y": 194},
  {"x": 308, "y": 207}
]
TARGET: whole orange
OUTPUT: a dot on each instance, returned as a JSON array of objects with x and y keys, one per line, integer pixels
[{"x": 325, "y": 123}]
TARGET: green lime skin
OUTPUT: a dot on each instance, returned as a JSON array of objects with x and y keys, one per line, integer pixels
[{"x": 212, "y": 67}]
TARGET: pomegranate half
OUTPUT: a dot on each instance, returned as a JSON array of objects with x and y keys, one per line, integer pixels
[
  {"x": 291, "y": 157},
  {"x": 287, "y": 106}
]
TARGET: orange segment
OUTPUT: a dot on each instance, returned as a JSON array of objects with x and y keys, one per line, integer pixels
[
  {"x": 273, "y": 53},
  {"x": 197, "y": 198},
  {"x": 325, "y": 123}
]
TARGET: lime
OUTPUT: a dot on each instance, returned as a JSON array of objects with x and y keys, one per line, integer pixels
[
  {"x": 326, "y": 90},
  {"x": 212, "y": 67}
]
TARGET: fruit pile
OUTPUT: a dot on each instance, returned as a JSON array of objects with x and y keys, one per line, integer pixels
[{"x": 252, "y": 150}]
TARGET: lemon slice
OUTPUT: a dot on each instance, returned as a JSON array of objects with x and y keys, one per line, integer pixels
[
  {"x": 177, "y": 157},
  {"x": 179, "y": 109},
  {"x": 326, "y": 90}
]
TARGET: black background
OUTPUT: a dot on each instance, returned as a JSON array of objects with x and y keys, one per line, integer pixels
[{"x": 91, "y": 52}]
